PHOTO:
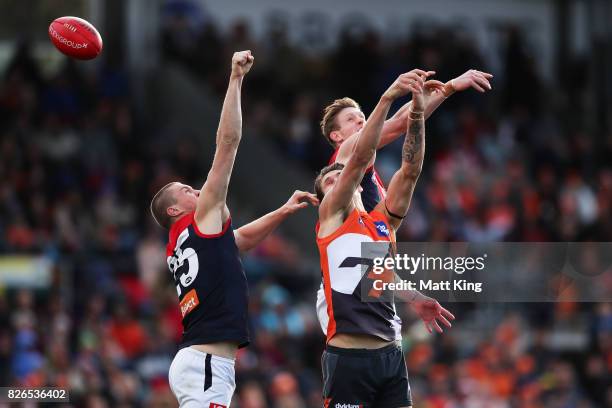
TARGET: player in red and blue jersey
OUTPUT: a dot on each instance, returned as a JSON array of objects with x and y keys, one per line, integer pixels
[{"x": 203, "y": 257}]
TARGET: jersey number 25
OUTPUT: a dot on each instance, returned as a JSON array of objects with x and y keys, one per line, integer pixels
[{"x": 177, "y": 261}]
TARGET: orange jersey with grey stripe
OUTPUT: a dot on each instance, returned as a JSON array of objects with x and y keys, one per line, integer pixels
[{"x": 347, "y": 283}]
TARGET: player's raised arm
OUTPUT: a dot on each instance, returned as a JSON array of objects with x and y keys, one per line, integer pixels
[
  {"x": 392, "y": 128},
  {"x": 211, "y": 211},
  {"x": 339, "y": 198},
  {"x": 250, "y": 235},
  {"x": 403, "y": 181},
  {"x": 436, "y": 93}
]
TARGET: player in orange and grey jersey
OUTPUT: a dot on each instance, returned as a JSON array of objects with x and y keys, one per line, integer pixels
[
  {"x": 363, "y": 364},
  {"x": 343, "y": 122}
]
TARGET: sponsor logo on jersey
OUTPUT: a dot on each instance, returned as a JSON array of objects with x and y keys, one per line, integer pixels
[
  {"x": 189, "y": 302},
  {"x": 215, "y": 405},
  {"x": 381, "y": 228}
]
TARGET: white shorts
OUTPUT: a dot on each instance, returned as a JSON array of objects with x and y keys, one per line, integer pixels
[{"x": 199, "y": 379}]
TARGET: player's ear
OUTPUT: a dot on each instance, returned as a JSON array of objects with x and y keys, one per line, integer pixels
[
  {"x": 173, "y": 211},
  {"x": 335, "y": 136}
]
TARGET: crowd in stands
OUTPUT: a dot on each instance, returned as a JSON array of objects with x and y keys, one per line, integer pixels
[{"x": 78, "y": 168}]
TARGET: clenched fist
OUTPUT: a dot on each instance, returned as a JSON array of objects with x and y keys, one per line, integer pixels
[{"x": 242, "y": 61}]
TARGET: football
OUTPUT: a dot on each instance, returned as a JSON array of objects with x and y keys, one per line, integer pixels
[{"x": 75, "y": 37}]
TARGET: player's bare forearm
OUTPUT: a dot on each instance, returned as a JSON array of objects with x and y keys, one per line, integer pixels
[
  {"x": 433, "y": 103},
  {"x": 408, "y": 295},
  {"x": 404, "y": 180},
  {"x": 413, "y": 150},
  {"x": 366, "y": 144},
  {"x": 228, "y": 138},
  {"x": 230, "y": 123},
  {"x": 229, "y": 132},
  {"x": 394, "y": 127},
  {"x": 363, "y": 144},
  {"x": 251, "y": 234},
  {"x": 211, "y": 210}
]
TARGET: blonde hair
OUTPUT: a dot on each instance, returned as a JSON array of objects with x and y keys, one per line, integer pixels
[{"x": 328, "y": 123}]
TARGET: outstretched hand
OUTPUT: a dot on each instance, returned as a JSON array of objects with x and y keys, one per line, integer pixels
[
  {"x": 242, "y": 61},
  {"x": 430, "y": 311},
  {"x": 299, "y": 200},
  {"x": 472, "y": 79}
]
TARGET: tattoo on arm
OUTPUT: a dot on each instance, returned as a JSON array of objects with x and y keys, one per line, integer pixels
[{"x": 412, "y": 151}]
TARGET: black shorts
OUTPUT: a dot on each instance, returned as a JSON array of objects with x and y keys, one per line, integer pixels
[{"x": 362, "y": 378}]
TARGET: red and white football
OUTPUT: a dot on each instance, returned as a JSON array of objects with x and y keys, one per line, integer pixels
[{"x": 75, "y": 37}]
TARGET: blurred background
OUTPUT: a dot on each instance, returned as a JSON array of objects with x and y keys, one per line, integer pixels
[{"x": 86, "y": 300}]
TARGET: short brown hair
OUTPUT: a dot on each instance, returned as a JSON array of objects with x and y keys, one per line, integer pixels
[
  {"x": 328, "y": 123},
  {"x": 159, "y": 206},
  {"x": 327, "y": 169}
]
